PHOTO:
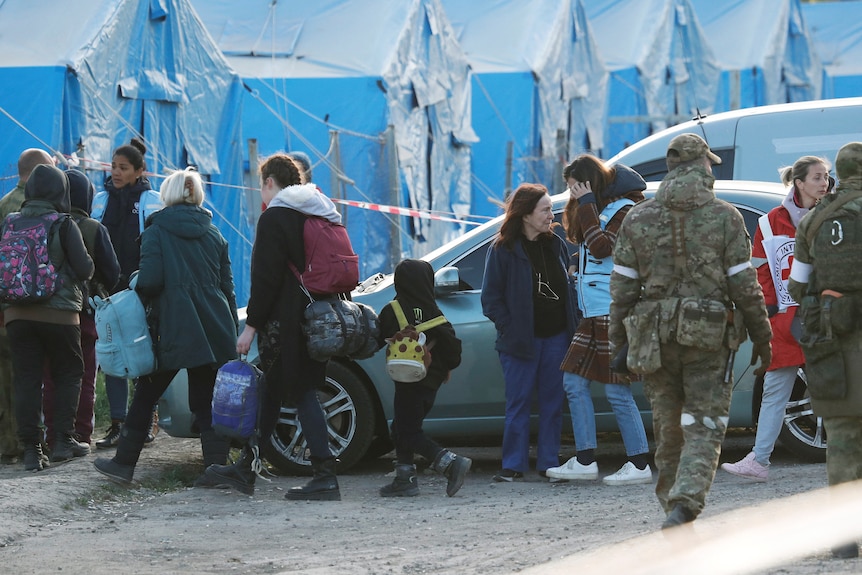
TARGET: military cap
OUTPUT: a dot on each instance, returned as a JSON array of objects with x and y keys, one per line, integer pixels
[
  {"x": 688, "y": 147},
  {"x": 848, "y": 162}
]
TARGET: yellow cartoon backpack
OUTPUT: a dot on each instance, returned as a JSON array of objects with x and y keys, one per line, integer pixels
[{"x": 408, "y": 355}]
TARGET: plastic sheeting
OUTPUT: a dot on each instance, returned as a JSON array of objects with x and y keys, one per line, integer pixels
[
  {"x": 87, "y": 78},
  {"x": 836, "y": 30},
  {"x": 764, "y": 50},
  {"x": 662, "y": 67},
  {"x": 537, "y": 75},
  {"x": 329, "y": 78}
]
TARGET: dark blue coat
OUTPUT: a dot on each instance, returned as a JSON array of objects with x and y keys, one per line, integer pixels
[{"x": 507, "y": 297}]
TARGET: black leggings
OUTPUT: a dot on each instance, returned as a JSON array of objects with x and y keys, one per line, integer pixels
[{"x": 150, "y": 388}]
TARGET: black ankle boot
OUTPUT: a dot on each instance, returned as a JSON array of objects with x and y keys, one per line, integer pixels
[
  {"x": 322, "y": 487},
  {"x": 34, "y": 459},
  {"x": 112, "y": 436},
  {"x": 121, "y": 468},
  {"x": 240, "y": 476},
  {"x": 215, "y": 449},
  {"x": 679, "y": 515},
  {"x": 846, "y": 551},
  {"x": 66, "y": 447},
  {"x": 404, "y": 484},
  {"x": 454, "y": 467}
]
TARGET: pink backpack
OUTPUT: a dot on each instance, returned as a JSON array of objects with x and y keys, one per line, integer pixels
[{"x": 27, "y": 274}]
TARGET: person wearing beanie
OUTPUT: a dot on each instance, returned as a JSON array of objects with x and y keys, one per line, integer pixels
[{"x": 826, "y": 279}]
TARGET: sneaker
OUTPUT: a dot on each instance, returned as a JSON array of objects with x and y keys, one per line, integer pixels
[
  {"x": 552, "y": 479},
  {"x": 154, "y": 428},
  {"x": 507, "y": 476},
  {"x": 628, "y": 474},
  {"x": 748, "y": 468},
  {"x": 571, "y": 469}
]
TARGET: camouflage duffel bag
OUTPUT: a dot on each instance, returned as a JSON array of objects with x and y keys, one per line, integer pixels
[{"x": 642, "y": 332}]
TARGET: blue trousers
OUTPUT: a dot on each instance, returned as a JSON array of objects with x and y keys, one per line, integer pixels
[{"x": 540, "y": 374}]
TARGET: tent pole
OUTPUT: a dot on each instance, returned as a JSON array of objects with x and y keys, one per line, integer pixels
[{"x": 392, "y": 155}]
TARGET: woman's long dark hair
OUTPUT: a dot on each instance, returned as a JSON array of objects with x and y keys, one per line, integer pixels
[
  {"x": 585, "y": 168},
  {"x": 521, "y": 203}
]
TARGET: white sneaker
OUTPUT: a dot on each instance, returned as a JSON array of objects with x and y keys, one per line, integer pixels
[
  {"x": 571, "y": 469},
  {"x": 628, "y": 474}
]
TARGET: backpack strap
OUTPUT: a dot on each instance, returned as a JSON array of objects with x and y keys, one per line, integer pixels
[
  {"x": 819, "y": 216},
  {"x": 399, "y": 314},
  {"x": 432, "y": 323}
]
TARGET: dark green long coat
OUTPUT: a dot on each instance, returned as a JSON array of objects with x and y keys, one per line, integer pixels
[{"x": 185, "y": 272}]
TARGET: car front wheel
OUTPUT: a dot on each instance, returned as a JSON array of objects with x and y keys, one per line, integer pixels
[
  {"x": 803, "y": 433},
  {"x": 349, "y": 411}
]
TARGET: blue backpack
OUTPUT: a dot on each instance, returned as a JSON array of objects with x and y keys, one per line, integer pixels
[
  {"x": 124, "y": 347},
  {"x": 236, "y": 399}
]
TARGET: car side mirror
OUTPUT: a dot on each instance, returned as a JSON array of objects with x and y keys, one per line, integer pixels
[{"x": 446, "y": 281}]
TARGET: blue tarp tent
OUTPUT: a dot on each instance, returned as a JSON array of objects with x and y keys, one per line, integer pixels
[
  {"x": 836, "y": 30},
  {"x": 537, "y": 82},
  {"x": 764, "y": 51},
  {"x": 329, "y": 78},
  {"x": 84, "y": 78},
  {"x": 662, "y": 67}
]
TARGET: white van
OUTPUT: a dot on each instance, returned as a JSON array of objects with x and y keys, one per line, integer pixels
[{"x": 754, "y": 143}]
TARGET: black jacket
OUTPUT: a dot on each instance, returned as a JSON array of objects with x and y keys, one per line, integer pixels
[{"x": 414, "y": 289}]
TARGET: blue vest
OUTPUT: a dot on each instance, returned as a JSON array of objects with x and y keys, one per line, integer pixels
[
  {"x": 150, "y": 203},
  {"x": 594, "y": 275}
]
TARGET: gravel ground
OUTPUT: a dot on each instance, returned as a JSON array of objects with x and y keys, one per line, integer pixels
[{"x": 67, "y": 519}]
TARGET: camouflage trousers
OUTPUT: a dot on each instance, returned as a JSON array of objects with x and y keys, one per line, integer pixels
[
  {"x": 843, "y": 449},
  {"x": 690, "y": 405},
  {"x": 8, "y": 424}
]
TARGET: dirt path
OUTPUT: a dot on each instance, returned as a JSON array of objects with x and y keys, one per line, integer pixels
[{"x": 58, "y": 521}]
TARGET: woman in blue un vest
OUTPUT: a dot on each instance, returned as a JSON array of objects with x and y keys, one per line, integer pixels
[{"x": 600, "y": 199}]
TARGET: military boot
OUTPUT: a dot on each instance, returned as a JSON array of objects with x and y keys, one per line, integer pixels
[
  {"x": 404, "y": 484},
  {"x": 454, "y": 467},
  {"x": 323, "y": 485}
]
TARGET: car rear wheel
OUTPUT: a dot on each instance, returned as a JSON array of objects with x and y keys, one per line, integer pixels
[
  {"x": 803, "y": 433},
  {"x": 349, "y": 411}
]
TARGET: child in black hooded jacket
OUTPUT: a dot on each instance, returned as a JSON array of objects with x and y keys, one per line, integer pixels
[{"x": 414, "y": 291}]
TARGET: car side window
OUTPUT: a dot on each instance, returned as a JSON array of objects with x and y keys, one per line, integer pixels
[
  {"x": 750, "y": 218},
  {"x": 471, "y": 267}
]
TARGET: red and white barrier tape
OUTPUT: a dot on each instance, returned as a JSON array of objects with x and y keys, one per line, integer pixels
[{"x": 410, "y": 212}]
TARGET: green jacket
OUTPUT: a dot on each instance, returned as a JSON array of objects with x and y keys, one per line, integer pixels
[
  {"x": 715, "y": 250},
  {"x": 185, "y": 273},
  {"x": 12, "y": 201}
]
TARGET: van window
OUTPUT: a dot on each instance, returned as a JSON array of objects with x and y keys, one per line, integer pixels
[{"x": 768, "y": 142}]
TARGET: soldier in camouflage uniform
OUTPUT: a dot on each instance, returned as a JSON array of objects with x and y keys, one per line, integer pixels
[
  {"x": 686, "y": 243},
  {"x": 825, "y": 278}
]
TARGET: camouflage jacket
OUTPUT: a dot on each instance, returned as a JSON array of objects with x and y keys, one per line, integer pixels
[
  {"x": 714, "y": 253},
  {"x": 805, "y": 256}
]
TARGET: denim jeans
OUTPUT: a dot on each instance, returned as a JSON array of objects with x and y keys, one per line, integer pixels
[
  {"x": 117, "y": 392},
  {"x": 777, "y": 387},
  {"x": 542, "y": 374},
  {"x": 584, "y": 418}
]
